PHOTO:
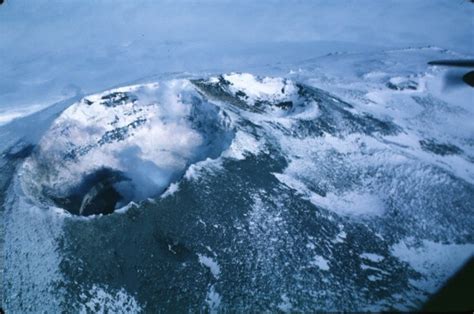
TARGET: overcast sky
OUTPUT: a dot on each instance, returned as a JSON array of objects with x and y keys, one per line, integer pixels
[
  {"x": 53, "y": 47},
  {"x": 44, "y": 24}
]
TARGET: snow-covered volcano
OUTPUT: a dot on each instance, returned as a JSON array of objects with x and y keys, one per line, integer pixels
[
  {"x": 132, "y": 143},
  {"x": 307, "y": 191}
]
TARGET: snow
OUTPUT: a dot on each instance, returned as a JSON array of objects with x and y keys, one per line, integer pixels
[
  {"x": 340, "y": 237},
  {"x": 376, "y": 258},
  {"x": 350, "y": 203},
  {"x": 320, "y": 262},
  {"x": 242, "y": 145},
  {"x": 12, "y": 114},
  {"x": 213, "y": 300},
  {"x": 285, "y": 305},
  {"x": 197, "y": 170},
  {"x": 173, "y": 188},
  {"x": 31, "y": 279},
  {"x": 347, "y": 203},
  {"x": 102, "y": 300},
  {"x": 433, "y": 260},
  {"x": 266, "y": 88},
  {"x": 365, "y": 267},
  {"x": 211, "y": 264},
  {"x": 374, "y": 278}
]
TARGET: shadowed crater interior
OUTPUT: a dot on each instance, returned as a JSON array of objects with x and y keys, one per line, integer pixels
[{"x": 98, "y": 193}]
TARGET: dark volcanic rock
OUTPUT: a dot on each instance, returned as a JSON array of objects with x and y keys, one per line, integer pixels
[
  {"x": 117, "y": 98},
  {"x": 411, "y": 85},
  {"x": 96, "y": 194},
  {"x": 439, "y": 148}
]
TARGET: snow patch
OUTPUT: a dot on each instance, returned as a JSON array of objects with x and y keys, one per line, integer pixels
[
  {"x": 436, "y": 262},
  {"x": 242, "y": 145},
  {"x": 32, "y": 260},
  {"x": 100, "y": 299},
  {"x": 320, "y": 262},
  {"x": 351, "y": 203},
  {"x": 285, "y": 305},
  {"x": 266, "y": 88},
  {"x": 7, "y": 115},
  {"x": 211, "y": 264},
  {"x": 173, "y": 188},
  {"x": 372, "y": 257},
  {"x": 340, "y": 237},
  {"x": 213, "y": 300}
]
